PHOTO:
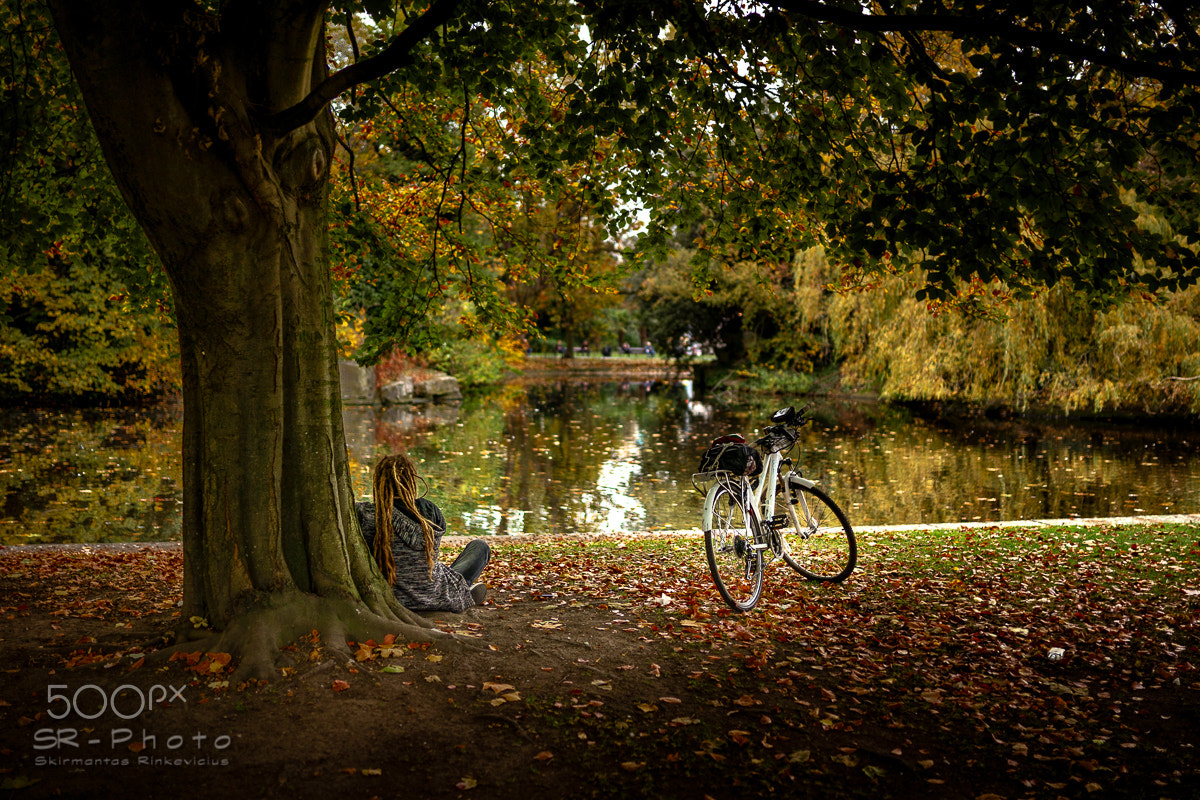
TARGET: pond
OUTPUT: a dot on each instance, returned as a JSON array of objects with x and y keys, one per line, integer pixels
[{"x": 594, "y": 457}]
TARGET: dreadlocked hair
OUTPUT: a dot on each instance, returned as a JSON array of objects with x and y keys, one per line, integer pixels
[{"x": 395, "y": 478}]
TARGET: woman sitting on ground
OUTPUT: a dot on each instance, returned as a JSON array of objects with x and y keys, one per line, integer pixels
[{"x": 405, "y": 544}]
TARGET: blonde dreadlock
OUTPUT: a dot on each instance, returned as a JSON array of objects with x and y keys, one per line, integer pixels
[{"x": 395, "y": 478}]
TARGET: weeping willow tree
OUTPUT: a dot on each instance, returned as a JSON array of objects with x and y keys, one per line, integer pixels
[{"x": 1056, "y": 350}]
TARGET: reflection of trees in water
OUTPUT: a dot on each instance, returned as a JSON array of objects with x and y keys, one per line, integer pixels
[
  {"x": 519, "y": 470},
  {"x": 561, "y": 457},
  {"x": 90, "y": 477},
  {"x": 559, "y": 440},
  {"x": 908, "y": 468},
  {"x": 886, "y": 465}
]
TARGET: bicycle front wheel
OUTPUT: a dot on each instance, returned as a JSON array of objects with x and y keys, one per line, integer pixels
[
  {"x": 736, "y": 565},
  {"x": 817, "y": 540}
]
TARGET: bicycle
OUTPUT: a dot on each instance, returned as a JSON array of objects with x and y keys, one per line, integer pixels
[{"x": 742, "y": 531}]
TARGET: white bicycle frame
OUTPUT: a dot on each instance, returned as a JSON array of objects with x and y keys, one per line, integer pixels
[{"x": 751, "y": 493}]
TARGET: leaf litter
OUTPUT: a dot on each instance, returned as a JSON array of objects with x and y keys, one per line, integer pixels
[{"x": 926, "y": 670}]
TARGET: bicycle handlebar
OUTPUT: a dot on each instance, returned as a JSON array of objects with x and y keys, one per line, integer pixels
[
  {"x": 784, "y": 433},
  {"x": 777, "y": 438}
]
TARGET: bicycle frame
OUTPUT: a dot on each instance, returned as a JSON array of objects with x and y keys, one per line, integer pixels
[{"x": 752, "y": 493}]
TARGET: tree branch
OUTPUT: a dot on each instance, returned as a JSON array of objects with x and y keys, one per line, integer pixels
[
  {"x": 991, "y": 26},
  {"x": 396, "y": 55},
  {"x": 1179, "y": 12}
]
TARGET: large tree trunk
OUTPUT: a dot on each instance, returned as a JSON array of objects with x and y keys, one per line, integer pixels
[{"x": 237, "y": 212}]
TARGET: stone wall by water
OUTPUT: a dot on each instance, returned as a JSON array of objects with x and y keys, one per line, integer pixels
[{"x": 361, "y": 387}]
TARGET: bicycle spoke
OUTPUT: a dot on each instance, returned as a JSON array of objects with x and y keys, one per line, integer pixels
[
  {"x": 736, "y": 566},
  {"x": 818, "y": 540}
]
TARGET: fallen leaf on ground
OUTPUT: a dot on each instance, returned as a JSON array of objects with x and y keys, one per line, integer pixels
[{"x": 498, "y": 687}]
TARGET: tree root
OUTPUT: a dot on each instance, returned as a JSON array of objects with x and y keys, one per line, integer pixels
[{"x": 255, "y": 638}]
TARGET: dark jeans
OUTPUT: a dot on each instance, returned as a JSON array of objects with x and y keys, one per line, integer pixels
[{"x": 472, "y": 560}]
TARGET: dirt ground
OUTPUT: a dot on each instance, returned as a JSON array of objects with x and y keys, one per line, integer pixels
[{"x": 571, "y": 693}]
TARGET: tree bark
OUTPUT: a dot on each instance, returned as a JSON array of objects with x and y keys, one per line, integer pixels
[{"x": 237, "y": 213}]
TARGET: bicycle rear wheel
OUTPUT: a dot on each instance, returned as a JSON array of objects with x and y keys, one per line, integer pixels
[
  {"x": 817, "y": 539},
  {"x": 737, "y": 566}
]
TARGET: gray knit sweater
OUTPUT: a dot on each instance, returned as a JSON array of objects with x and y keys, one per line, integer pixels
[{"x": 447, "y": 590}]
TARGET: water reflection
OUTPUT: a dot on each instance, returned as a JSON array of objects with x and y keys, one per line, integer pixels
[
  {"x": 577, "y": 457},
  {"x": 90, "y": 476}
]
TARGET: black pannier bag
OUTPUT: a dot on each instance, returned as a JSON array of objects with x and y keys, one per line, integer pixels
[{"x": 731, "y": 454}]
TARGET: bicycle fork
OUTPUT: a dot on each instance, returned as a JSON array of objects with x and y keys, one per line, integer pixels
[{"x": 804, "y": 514}]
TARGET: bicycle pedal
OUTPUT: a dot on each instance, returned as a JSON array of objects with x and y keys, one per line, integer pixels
[{"x": 776, "y": 522}]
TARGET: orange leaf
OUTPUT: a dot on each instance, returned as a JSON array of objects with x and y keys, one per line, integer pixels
[
  {"x": 340, "y": 685},
  {"x": 498, "y": 687}
]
